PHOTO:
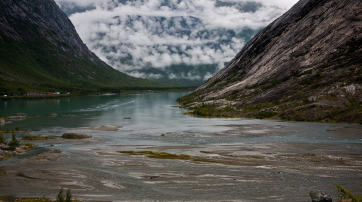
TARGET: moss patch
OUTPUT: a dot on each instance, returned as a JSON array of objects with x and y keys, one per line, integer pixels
[
  {"x": 165, "y": 155},
  {"x": 158, "y": 155}
]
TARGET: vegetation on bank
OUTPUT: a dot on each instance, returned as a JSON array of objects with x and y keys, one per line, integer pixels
[
  {"x": 35, "y": 137},
  {"x": 298, "y": 110},
  {"x": 334, "y": 105},
  {"x": 62, "y": 196},
  {"x": 100, "y": 92},
  {"x": 11, "y": 148},
  {"x": 15, "y": 131}
]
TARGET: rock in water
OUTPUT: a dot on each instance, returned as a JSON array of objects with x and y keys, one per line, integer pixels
[
  {"x": 318, "y": 196},
  {"x": 75, "y": 136},
  {"x": 20, "y": 114},
  {"x": 52, "y": 115}
]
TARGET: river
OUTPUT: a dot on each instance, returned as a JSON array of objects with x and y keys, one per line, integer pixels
[{"x": 238, "y": 159}]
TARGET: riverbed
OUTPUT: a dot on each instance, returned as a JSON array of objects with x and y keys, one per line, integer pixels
[{"x": 227, "y": 159}]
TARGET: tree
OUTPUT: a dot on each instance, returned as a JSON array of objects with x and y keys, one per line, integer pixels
[
  {"x": 68, "y": 196},
  {"x": 60, "y": 196},
  {"x": 14, "y": 142},
  {"x": 2, "y": 140},
  {"x": 64, "y": 197}
]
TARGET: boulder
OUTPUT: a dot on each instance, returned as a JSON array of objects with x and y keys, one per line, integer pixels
[
  {"x": 4, "y": 147},
  {"x": 52, "y": 114},
  {"x": 318, "y": 196},
  {"x": 20, "y": 114},
  {"x": 351, "y": 89},
  {"x": 43, "y": 136},
  {"x": 75, "y": 136},
  {"x": 30, "y": 137},
  {"x": 55, "y": 151},
  {"x": 16, "y": 117},
  {"x": 312, "y": 98}
]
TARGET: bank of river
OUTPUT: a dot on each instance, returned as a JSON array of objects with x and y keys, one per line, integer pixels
[{"x": 226, "y": 159}]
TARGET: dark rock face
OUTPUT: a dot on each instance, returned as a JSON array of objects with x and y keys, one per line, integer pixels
[
  {"x": 53, "y": 23},
  {"x": 305, "y": 37},
  {"x": 312, "y": 52}
]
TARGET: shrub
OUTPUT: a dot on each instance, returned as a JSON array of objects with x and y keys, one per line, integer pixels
[
  {"x": 345, "y": 194},
  {"x": 263, "y": 115}
]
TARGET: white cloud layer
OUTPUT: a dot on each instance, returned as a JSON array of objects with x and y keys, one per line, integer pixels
[{"x": 154, "y": 33}]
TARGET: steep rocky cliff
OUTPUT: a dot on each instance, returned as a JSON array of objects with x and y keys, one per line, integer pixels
[
  {"x": 41, "y": 50},
  {"x": 306, "y": 65}
]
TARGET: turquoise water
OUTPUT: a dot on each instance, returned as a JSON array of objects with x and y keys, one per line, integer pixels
[{"x": 153, "y": 114}]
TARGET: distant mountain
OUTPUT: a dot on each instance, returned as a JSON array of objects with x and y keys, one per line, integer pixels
[
  {"x": 173, "y": 42},
  {"x": 305, "y": 66},
  {"x": 40, "y": 50}
]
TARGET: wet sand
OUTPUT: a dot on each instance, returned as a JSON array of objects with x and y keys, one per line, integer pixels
[{"x": 235, "y": 170}]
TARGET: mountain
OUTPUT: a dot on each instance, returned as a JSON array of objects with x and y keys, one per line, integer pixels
[
  {"x": 40, "y": 50},
  {"x": 305, "y": 66},
  {"x": 172, "y": 42}
]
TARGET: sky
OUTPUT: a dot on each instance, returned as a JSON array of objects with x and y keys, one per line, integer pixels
[{"x": 161, "y": 35}]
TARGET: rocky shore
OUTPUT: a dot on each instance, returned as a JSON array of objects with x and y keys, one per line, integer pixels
[
  {"x": 6, "y": 153},
  {"x": 226, "y": 166}
]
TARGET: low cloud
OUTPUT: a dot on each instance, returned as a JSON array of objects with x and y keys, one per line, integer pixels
[
  {"x": 133, "y": 35},
  {"x": 145, "y": 76}
]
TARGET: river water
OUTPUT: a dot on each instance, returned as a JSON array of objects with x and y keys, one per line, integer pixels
[{"x": 267, "y": 159}]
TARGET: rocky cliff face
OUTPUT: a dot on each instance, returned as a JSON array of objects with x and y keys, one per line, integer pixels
[
  {"x": 311, "y": 56},
  {"x": 51, "y": 22},
  {"x": 40, "y": 50}
]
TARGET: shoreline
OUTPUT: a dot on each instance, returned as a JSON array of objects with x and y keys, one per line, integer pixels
[{"x": 175, "y": 89}]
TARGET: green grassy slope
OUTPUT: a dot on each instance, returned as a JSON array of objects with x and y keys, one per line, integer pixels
[
  {"x": 40, "y": 51},
  {"x": 40, "y": 66}
]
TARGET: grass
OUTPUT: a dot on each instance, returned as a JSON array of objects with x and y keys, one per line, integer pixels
[
  {"x": 158, "y": 155},
  {"x": 35, "y": 138},
  {"x": 13, "y": 131},
  {"x": 165, "y": 155}
]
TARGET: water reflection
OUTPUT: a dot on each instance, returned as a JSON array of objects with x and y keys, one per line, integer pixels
[{"x": 152, "y": 113}]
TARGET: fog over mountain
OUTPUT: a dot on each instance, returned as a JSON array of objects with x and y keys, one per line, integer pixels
[{"x": 179, "y": 42}]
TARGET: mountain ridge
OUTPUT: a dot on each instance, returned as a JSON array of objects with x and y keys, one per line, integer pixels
[
  {"x": 41, "y": 51},
  {"x": 312, "y": 52}
]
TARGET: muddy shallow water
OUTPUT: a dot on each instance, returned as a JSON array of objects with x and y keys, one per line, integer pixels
[{"x": 229, "y": 159}]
